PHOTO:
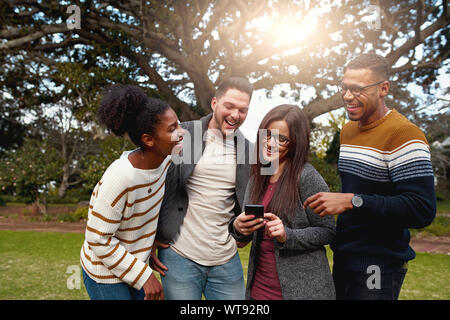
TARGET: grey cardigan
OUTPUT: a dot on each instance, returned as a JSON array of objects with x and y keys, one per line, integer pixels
[
  {"x": 176, "y": 201},
  {"x": 301, "y": 262}
]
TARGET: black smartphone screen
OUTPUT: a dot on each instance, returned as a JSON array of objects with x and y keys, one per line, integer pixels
[{"x": 256, "y": 209}]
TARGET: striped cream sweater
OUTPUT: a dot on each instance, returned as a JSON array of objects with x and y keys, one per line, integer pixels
[{"x": 122, "y": 221}]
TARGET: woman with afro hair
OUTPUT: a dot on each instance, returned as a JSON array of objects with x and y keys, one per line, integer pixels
[{"x": 125, "y": 203}]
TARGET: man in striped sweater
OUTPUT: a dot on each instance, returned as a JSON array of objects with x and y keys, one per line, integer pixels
[{"x": 387, "y": 187}]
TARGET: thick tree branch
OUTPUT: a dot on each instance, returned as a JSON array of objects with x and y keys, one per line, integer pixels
[
  {"x": 440, "y": 23},
  {"x": 45, "y": 30},
  {"x": 322, "y": 106}
]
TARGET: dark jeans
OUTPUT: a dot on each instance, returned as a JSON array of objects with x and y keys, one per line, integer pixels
[
  {"x": 114, "y": 291},
  {"x": 373, "y": 284}
]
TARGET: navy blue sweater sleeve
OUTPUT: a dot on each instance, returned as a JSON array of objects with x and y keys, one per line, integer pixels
[{"x": 414, "y": 206}]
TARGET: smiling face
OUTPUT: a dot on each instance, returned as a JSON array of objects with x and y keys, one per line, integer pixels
[
  {"x": 276, "y": 146},
  {"x": 369, "y": 105},
  {"x": 229, "y": 111},
  {"x": 168, "y": 135}
]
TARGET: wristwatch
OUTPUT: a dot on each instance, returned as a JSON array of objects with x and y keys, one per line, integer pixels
[{"x": 357, "y": 201}]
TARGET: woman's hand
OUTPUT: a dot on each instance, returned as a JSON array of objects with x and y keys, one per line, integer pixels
[
  {"x": 153, "y": 289},
  {"x": 275, "y": 228},
  {"x": 246, "y": 224}
]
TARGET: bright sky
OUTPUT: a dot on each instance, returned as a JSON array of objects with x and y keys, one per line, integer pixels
[{"x": 260, "y": 105}]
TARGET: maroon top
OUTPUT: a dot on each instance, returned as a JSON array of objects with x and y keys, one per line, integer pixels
[{"x": 266, "y": 285}]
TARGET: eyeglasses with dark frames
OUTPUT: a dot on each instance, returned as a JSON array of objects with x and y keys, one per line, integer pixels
[
  {"x": 354, "y": 89},
  {"x": 279, "y": 138}
]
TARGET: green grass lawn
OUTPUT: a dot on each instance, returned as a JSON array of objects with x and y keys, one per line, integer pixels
[
  {"x": 441, "y": 223},
  {"x": 34, "y": 265},
  {"x": 443, "y": 206}
]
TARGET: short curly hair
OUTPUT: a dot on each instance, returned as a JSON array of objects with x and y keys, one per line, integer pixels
[
  {"x": 127, "y": 109},
  {"x": 372, "y": 61}
]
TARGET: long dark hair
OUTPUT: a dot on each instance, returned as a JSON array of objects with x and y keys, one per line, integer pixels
[
  {"x": 127, "y": 109},
  {"x": 286, "y": 197}
]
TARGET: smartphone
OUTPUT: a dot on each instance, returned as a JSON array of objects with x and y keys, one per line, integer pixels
[{"x": 255, "y": 209}]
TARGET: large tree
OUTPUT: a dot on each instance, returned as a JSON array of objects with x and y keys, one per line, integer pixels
[
  {"x": 28, "y": 171},
  {"x": 185, "y": 48},
  {"x": 71, "y": 139}
]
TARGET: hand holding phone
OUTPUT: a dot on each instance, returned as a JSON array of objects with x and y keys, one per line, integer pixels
[
  {"x": 254, "y": 209},
  {"x": 246, "y": 225}
]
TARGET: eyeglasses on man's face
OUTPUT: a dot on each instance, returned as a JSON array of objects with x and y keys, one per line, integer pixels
[
  {"x": 355, "y": 89},
  {"x": 279, "y": 138}
]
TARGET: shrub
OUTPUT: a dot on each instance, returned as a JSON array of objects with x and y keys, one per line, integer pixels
[
  {"x": 439, "y": 196},
  {"x": 328, "y": 171},
  {"x": 79, "y": 214}
]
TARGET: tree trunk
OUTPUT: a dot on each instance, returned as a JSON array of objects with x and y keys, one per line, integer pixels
[
  {"x": 204, "y": 96},
  {"x": 40, "y": 208},
  {"x": 64, "y": 182},
  {"x": 63, "y": 189}
]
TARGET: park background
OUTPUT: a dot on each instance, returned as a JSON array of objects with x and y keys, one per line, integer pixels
[{"x": 57, "y": 56}]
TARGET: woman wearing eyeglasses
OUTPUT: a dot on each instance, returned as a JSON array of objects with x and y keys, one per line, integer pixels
[{"x": 287, "y": 259}]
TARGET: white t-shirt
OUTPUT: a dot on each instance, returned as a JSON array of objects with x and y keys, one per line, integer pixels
[{"x": 204, "y": 236}]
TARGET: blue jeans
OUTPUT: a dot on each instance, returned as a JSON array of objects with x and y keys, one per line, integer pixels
[
  {"x": 113, "y": 291},
  {"x": 353, "y": 285},
  {"x": 187, "y": 280}
]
